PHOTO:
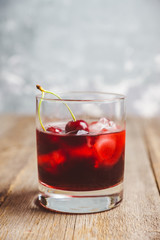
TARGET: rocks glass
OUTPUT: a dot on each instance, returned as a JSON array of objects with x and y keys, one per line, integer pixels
[{"x": 81, "y": 171}]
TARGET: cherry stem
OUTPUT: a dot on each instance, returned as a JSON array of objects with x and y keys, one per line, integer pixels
[{"x": 45, "y": 91}]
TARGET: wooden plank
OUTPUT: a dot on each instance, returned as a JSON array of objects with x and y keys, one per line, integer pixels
[
  {"x": 23, "y": 217},
  {"x": 138, "y": 217},
  {"x": 15, "y": 145},
  {"x": 152, "y": 138},
  {"x": 7, "y": 122},
  {"x": 23, "y": 128}
]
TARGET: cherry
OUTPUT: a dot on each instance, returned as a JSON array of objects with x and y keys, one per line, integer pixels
[
  {"x": 75, "y": 126},
  {"x": 54, "y": 129}
]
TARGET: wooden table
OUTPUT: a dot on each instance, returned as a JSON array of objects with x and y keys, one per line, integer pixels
[{"x": 137, "y": 218}]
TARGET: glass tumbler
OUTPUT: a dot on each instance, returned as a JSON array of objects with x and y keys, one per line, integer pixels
[{"x": 80, "y": 151}]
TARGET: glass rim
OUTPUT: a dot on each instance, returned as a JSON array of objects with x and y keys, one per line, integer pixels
[{"x": 115, "y": 96}]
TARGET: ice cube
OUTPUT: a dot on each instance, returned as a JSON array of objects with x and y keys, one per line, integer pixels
[
  {"x": 81, "y": 132},
  {"x": 103, "y": 121},
  {"x": 80, "y": 152},
  {"x": 109, "y": 148},
  {"x": 105, "y": 147},
  {"x": 112, "y": 124},
  {"x": 100, "y": 125},
  {"x": 103, "y": 124}
]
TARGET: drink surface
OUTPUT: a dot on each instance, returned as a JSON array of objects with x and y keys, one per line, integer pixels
[{"x": 86, "y": 162}]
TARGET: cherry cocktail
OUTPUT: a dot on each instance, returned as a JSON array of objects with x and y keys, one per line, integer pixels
[
  {"x": 80, "y": 152},
  {"x": 81, "y": 161}
]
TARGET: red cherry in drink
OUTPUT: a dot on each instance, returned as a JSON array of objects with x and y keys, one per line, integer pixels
[
  {"x": 75, "y": 126},
  {"x": 54, "y": 129}
]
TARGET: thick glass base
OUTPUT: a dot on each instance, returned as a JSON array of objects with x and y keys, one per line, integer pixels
[{"x": 80, "y": 202}]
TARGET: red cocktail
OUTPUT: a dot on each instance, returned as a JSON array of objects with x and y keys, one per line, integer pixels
[
  {"x": 84, "y": 162},
  {"x": 80, "y": 155}
]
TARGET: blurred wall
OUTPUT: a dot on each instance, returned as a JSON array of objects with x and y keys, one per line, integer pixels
[{"x": 101, "y": 45}]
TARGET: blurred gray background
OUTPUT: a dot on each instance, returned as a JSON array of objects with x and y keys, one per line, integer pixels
[{"x": 102, "y": 45}]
